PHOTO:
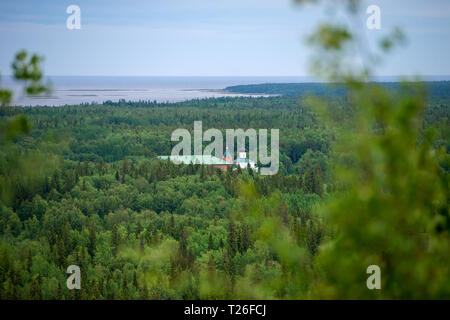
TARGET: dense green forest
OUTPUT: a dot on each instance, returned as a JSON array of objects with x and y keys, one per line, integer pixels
[
  {"x": 84, "y": 187},
  {"x": 436, "y": 90}
]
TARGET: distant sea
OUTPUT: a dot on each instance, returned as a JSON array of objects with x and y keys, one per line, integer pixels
[{"x": 70, "y": 90}]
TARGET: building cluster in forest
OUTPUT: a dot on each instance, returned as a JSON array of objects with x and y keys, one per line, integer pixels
[{"x": 225, "y": 163}]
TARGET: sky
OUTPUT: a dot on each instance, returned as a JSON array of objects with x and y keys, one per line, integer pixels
[{"x": 207, "y": 37}]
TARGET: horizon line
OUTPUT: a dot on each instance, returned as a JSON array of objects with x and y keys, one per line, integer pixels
[{"x": 225, "y": 76}]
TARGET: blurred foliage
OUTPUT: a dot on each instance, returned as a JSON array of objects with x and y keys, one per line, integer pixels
[
  {"x": 16, "y": 166},
  {"x": 5, "y": 97},
  {"x": 12, "y": 128},
  {"x": 393, "y": 211},
  {"x": 393, "y": 207},
  {"x": 28, "y": 71}
]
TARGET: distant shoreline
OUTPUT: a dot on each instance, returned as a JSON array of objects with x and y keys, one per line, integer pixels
[
  {"x": 332, "y": 89},
  {"x": 96, "y": 90}
]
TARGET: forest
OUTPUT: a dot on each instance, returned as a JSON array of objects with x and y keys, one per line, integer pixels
[
  {"x": 84, "y": 186},
  {"x": 435, "y": 89}
]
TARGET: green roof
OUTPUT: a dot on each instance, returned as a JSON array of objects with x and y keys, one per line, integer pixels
[
  {"x": 243, "y": 160},
  {"x": 196, "y": 159}
]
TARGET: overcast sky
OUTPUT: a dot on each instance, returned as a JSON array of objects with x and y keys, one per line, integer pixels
[{"x": 205, "y": 37}]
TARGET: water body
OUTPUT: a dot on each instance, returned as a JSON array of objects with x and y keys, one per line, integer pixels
[{"x": 70, "y": 90}]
